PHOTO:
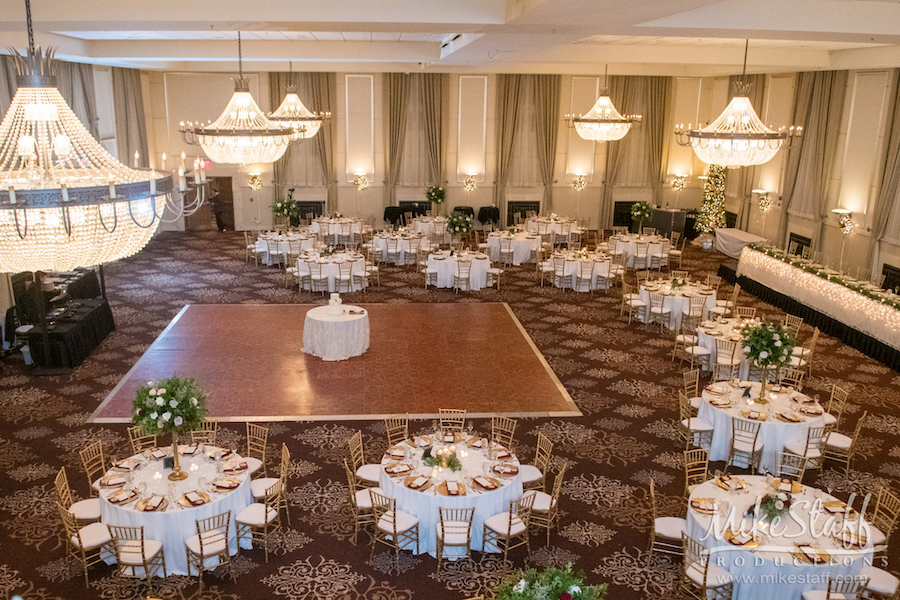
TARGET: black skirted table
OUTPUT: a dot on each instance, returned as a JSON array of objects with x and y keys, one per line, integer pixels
[
  {"x": 392, "y": 214},
  {"x": 81, "y": 283},
  {"x": 489, "y": 214},
  {"x": 465, "y": 209},
  {"x": 73, "y": 334}
]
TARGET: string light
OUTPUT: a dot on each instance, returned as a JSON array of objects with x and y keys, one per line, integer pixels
[
  {"x": 361, "y": 182},
  {"x": 712, "y": 211},
  {"x": 579, "y": 183},
  {"x": 470, "y": 184}
]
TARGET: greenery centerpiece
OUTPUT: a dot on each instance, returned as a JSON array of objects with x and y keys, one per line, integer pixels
[
  {"x": 445, "y": 458},
  {"x": 771, "y": 507},
  {"x": 640, "y": 212},
  {"x": 337, "y": 215},
  {"x": 459, "y": 223},
  {"x": 768, "y": 345},
  {"x": 552, "y": 583},
  {"x": 175, "y": 405},
  {"x": 435, "y": 194},
  {"x": 289, "y": 208}
]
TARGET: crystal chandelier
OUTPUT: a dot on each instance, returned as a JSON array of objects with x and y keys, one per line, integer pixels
[
  {"x": 603, "y": 123},
  {"x": 65, "y": 202},
  {"x": 738, "y": 138},
  {"x": 242, "y": 134},
  {"x": 293, "y": 113}
]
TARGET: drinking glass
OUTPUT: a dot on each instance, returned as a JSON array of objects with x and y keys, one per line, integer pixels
[
  {"x": 201, "y": 482},
  {"x": 142, "y": 487}
]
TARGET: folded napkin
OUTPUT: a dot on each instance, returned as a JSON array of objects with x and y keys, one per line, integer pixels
[
  {"x": 194, "y": 499},
  {"x": 503, "y": 455},
  {"x": 449, "y": 438},
  {"x": 356, "y": 312},
  {"x": 485, "y": 483},
  {"x": 419, "y": 482},
  {"x": 811, "y": 410},
  {"x": 452, "y": 488},
  {"x": 478, "y": 443},
  {"x": 834, "y": 506},
  {"x": 226, "y": 483},
  {"x": 156, "y": 453},
  {"x": 504, "y": 469},
  {"x": 235, "y": 467},
  {"x": 720, "y": 402},
  {"x": 126, "y": 464},
  {"x": 705, "y": 504},
  {"x": 715, "y": 389},
  {"x": 741, "y": 538},
  {"x": 813, "y": 554},
  {"x": 113, "y": 481},
  {"x": 189, "y": 450},
  {"x": 420, "y": 442},
  {"x": 153, "y": 503},
  {"x": 396, "y": 453},
  {"x": 790, "y": 417},
  {"x": 224, "y": 454},
  {"x": 395, "y": 469},
  {"x": 120, "y": 496}
]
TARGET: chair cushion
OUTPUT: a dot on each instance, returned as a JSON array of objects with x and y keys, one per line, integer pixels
[
  {"x": 93, "y": 535},
  {"x": 96, "y": 485},
  {"x": 696, "y": 401},
  {"x": 530, "y": 473},
  {"x": 686, "y": 338},
  {"x": 500, "y": 524},
  {"x": 829, "y": 418},
  {"x": 799, "y": 351},
  {"x": 404, "y": 521},
  {"x": 213, "y": 542},
  {"x": 880, "y": 581},
  {"x": 876, "y": 535},
  {"x": 86, "y": 510},
  {"x": 674, "y": 252},
  {"x": 636, "y": 303},
  {"x": 670, "y": 527},
  {"x": 370, "y": 472},
  {"x": 364, "y": 498},
  {"x": 725, "y": 303},
  {"x": 799, "y": 447},
  {"x": 457, "y": 532},
  {"x": 796, "y": 362},
  {"x": 253, "y": 464},
  {"x": 715, "y": 576},
  {"x": 255, "y": 514},
  {"x": 698, "y": 351},
  {"x": 838, "y": 440},
  {"x": 657, "y": 310},
  {"x": 721, "y": 360},
  {"x": 259, "y": 486},
  {"x": 542, "y": 500},
  {"x": 130, "y": 551},
  {"x": 719, "y": 310},
  {"x": 697, "y": 424},
  {"x": 744, "y": 446}
]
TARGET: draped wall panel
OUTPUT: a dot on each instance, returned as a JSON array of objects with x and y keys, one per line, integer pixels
[{"x": 131, "y": 124}]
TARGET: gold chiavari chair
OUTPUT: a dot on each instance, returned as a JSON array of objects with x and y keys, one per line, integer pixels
[
  {"x": 89, "y": 545},
  {"x": 692, "y": 389},
  {"x": 648, "y": 231},
  {"x": 367, "y": 474},
  {"x": 318, "y": 281},
  {"x": 835, "y": 408},
  {"x": 789, "y": 376},
  {"x": 745, "y": 312},
  {"x": 689, "y": 319},
  {"x": 209, "y": 429},
  {"x": 793, "y": 324},
  {"x": 502, "y": 431},
  {"x": 696, "y": 469},
  {"x": 701, "y": 578},
  {"x": 679, "y": 274},
  {"x": 533, "y": 476},
  {"x": 544, "y": 265},
  {"x": 604, "y": 275},
  {"x": 677, "y": 251},
  {"x": 506, "y": 250},
  {"x": 690, "y": 352},
  {"x": 209, "y": 544},
  {"x": 509, "y": 530},
  {"x": 392, "y": 250},
  {"x": 141, "y": 441},
  {"x": 723, "y": 308},
  {"x": 745, "y": 443},
  {"x": 545, "y": 508},
  {"x": 839, "y": 588},
  {"x": 454, "y": 530},
  {"x": 393, "y": 528},
  {"x": 811, "y": 449},
  {"x": 453, "y": 420},
  {"x": 259, "y": 487},
  {"x": 881, "y": 585},
  {"x": 94, "y": 465},
  {"x": 257, "y": 438},
  {"x": 344, "y": 280},
  {"x": 250, "y": 250},
  {"x": 790, "y": 466},
  {"x": 728, "y": 358},
  {"x": 461, "y": 277},
  {"x": 840, "y": 448},
  {"x": 696, "y": 432},
  {"x": 136, "y": 556},
  {"x": 584, "y": 275},
  {"x": 396, "y": 427},
  {"x": 260, "y": 521},
  {"x": 412, "y": 252},
  {"x": 883, "y": 518},
  {"x": 803, "y": 355},
  {"x": 360, "y": 502},
  {"x": 641, "y": 255},
  {"x": 84, "y": 511},
  {"x": 633, "y": 305},
  {"x": 660, "y": 259},
  {"x": 560, "y": 279},
  {"x": 659, "y": 312},
  {"x": 665, "y": 532}
]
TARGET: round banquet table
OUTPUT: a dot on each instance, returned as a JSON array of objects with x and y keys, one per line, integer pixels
[
  {"x": 428, "y": 225},
  {"x": 283, "y": 245},
  {"x": 678, "y": 300},
  {"x": 424, "y": 503},
  {"x": 175, "y": 524},
  {"x": 380, "y": 242},
  {"x": 331, "y": 267},
  {"x": 445, "y": 265},
  {"x": 522, "y": 245},
  {"x": 336, "y": 337},
  {"x": 774, "y": 568},
  {"x": 628, "y": 244},
  {"x": 572, "y": 268},
  {"x": 555, "y": 226},
  {"x": 334, "y": 226},
  {"x": 707, "y": 333},
  {"x": 774, "y": 431}
]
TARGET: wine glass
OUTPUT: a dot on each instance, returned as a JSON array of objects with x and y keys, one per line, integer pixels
[{"x": 201, "y": 483}]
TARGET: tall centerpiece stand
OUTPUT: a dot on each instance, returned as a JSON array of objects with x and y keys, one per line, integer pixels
[
  {"x": 640, "y": 212},
  {"x": 768, "y": 345},
  {"x": 171, "y": 406}
]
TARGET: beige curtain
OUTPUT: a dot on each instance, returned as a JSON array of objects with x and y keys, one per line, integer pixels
[
  {"x": 395, "y": 106},
  {"x": 889, "y": 185},
  {"x": 818, "y": 104},
  {"x": 131, "y": 126},
  {"x": 657, "y": 92},
  {"x": 76, "y": 84},
  {"x": 435, "y": 90},
  {"x": 622, "y": 93},
  {"x": 7, "y": 82},
  {"x": 546, "y": 89},
  {"x": 509, "y": 98},
  {"x": 740, "y": 181}
]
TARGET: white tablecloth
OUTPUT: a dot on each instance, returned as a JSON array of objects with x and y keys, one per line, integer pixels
[
  {"x": 445, "y": 265},
  {"x": 425, "y": 505},
  {"x": 628, "y": 244},
  {"x": 336, "y": 337},
  {"x": 572, "y": 268},
  {"x": 709, "y": 331},
  {"x": 283, "y": 245},
  {"x": 771, "y": 572},
  {"x": 535, "y": 225},
  {"x": 730, "y": 241},
  {"x": 334, "y": 226},
  {"x": 773, "y": 432},
  {"x": 850, "y": 308},
  {"x": 173, "y": 526},
  {"x": 405, "y": 258},
  {"x": 331, "y": 268},
  {"x": 678, "y": 300},
  {"x": 428, "y": 225},
  {"x": 521, "y": 243}
]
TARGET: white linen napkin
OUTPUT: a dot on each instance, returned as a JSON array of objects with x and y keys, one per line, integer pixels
[
  {"x": 114, "y": 481},
  {"x": 193, "y": 498},
  {"x": 742, "y": 538},
  {"x": 398, "y": 469},
  {"x": 154, "y": 502},
  {"x": 452, "y": 488},
  {"x": 419, "y": 482},
  {"x": 484, "y": 483}
]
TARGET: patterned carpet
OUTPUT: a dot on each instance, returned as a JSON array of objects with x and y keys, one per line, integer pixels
[{"x": 619, "y": 375}]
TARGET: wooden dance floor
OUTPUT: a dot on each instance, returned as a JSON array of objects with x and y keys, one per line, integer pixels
[{"x": 421, "y": 357}]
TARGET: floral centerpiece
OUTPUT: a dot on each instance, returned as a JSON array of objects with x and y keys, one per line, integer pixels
[
  {"x": 289, "y": 208},
  {"x": 552, "y": 583},
  {"x": 337, "y": 215},
  {"x": 445, "y": 457},
  {"x": 173, "y": 405},
  {"x": 640, "y": 212},
  {"x": 768, "y": 345},
  {"x": 553, "y": 217},
  {"x": 435, "y": 194},
  {"x": 678, "y": 282},
  {"x": 771, "y": 506},
  {"x": 459, "y": 222}
]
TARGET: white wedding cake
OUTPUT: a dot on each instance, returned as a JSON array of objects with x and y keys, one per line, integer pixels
[{"x": 334, "y": 305}]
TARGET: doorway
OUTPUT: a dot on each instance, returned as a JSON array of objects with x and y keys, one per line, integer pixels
[{"x": 204, "y": 219}]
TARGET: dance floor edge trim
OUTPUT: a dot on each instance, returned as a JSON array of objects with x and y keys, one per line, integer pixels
[{"x": 573, "y": 410}]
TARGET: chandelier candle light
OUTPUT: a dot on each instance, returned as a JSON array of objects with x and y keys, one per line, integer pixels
[
  {"x": 738, "y": 138},
  {"x": 293, "y": 113},
  {"x": 603, "y": 123},
  {"x": 242, "y": 134}
]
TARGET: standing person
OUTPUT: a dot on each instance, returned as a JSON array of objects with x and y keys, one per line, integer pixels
[{"x": 216, "y": 202}]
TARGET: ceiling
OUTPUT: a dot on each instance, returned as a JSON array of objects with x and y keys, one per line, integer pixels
[{"x": 659, "y": 37}]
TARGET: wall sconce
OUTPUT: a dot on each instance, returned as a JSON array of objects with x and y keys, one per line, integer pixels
[
  {"x": 470, "y": 184},
  {"x": 765, "y": 203},
  {"x": 579, "y": 183},
  {"x": 844, "y": 217},
  {"x": 255, "y": 182},
  {"x": 679, "y": 182},
  {"x": 361, "y": 182}
]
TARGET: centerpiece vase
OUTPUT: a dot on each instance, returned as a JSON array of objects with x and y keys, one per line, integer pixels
[
  {"x": 762, "y": 388},
  {"x": 177, "y": 474}
]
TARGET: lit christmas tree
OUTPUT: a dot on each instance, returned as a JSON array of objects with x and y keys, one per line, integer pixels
[{"x": 712, "y": 211}]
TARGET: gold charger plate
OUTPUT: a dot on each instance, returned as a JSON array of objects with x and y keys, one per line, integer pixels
[
  {"x": 475, "y": 440},
  {"x": 115, "y": 499},
  {"x": 493, "y": 481},
  {"x": 234, "y": 480},
  {"x": 696, "y": 505},
  {"x": 513, "y": 471},
  {"x": 235, "y": 468},
  {"x": 789, "y": 418},
  {"x": 391, "y": 466},
  {"x": 409, "y": 480},
  {"x": 426, "y": 439},
  {"x": 821, "y": 555},
  {"x": 723, "y": 483},
  {"x": 187, "y": 503},
  {"x": 761, "y": 416},
  {"x": 142, "y": 505},
  {"x": 442, "y": 489},
  {"x": 731, "y": 536}
]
